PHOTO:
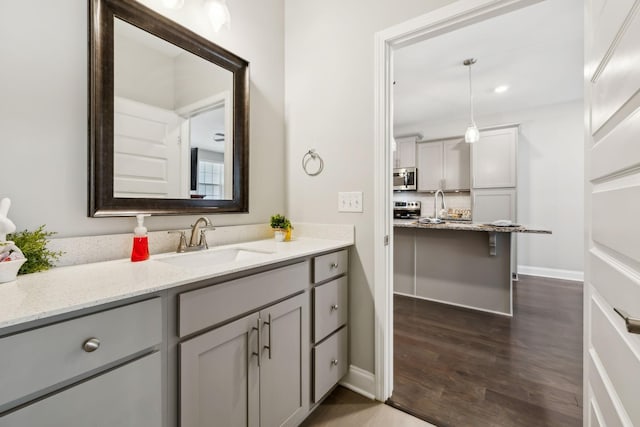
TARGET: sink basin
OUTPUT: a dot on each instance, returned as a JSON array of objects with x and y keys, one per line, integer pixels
[{"x": 213, "y": 257}]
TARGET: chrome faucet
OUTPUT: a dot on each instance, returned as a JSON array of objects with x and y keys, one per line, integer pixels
[
  {"x": 435, "y": 204},
  {"x": 196, "y": 229}
]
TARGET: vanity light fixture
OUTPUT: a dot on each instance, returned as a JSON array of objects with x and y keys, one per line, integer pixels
[
  {"x": 472, "y": 134},
  {"x": 218, "y": 13},
  {"x": 501, "y": 89},
  {"x": 173, "y": 4}
]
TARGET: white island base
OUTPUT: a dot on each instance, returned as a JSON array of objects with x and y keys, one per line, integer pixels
[{"x": 467, "y": 266}]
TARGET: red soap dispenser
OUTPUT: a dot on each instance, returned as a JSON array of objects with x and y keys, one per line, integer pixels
[{"x": 140, "y": 250}]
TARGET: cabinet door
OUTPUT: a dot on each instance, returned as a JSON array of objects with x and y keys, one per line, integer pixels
[
  {"x": 457, "y": 165},
  {"x": 406, "y": 152},
  {"x": 219, "y": 376},
  {"x": 494, "y": 158},
  {"x": 127, "y": 396},
  {"x": 429, "y": 166},
  {"x": 491, "y": 205},
  {"x": 284, "y": 367},
  {"x": 404, "y": 273}
]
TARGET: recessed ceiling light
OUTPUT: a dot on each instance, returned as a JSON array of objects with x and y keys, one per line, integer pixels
[{"x": 501, "y": 89}]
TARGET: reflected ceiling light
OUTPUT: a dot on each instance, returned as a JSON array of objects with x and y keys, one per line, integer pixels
[
  {"x": 219, "y": 15},
  {"x": 472, "y": 134},
  {"x": 173, "y": 4},
  {"x": 501, "y": 89}
]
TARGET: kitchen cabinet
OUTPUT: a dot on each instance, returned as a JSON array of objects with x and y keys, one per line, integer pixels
[
  {"x": 257, "y": 367},
  {"x": 494, "y": 159},
  {"x": 493, "y": 204},
  {"x": 405, "y": 154},
  {"x": 404, "y": 261},
  {"x": 75, "y": 371},
  {"x": 443, "y": 165},
  {"x": 330, "y": 311}
]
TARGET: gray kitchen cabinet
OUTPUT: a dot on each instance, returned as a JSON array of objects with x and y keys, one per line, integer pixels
[
  {"x": 130, "y": 395},
  {"x": 405, "y": 154},
  {"x": 493, "y": 204},
  {"x": 253, "y": 371},
  {"x": 494, "y": 159},
  {"x": 443, "y": 165}
]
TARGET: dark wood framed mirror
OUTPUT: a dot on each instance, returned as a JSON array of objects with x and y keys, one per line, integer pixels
[{"x": 156, "y": 92}]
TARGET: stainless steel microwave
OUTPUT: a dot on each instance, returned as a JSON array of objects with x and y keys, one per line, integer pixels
[{"x": 405, "y": 179}]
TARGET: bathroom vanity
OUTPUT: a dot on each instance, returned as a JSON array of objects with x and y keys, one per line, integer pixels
[{"x": 256, "y": 340}]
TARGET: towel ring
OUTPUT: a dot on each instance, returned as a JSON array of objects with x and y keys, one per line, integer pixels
[{"x": 312, "y": 155}]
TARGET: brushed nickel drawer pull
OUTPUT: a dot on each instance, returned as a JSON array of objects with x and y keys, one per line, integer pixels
[
  {"x": 91, "y": 345},
  {"x": 633, "y": 323},
  {"x": 268, "y": 347},
  {"x": 334, "y": 265},
  {"x": 334, "y": 362},
  {"x": 257, "y": 328},
  {"x": 334, "y": 307}
]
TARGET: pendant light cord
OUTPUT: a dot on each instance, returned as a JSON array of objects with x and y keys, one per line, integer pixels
[{"x": 469, "y": 63}]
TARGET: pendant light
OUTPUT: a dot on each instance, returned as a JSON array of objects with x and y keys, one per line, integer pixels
[{"x": 472, "y": 134}]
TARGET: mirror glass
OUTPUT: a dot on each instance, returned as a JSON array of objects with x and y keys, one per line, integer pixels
[
  {"x": 169, "y": 106},
  {"x": 168, "y": 119}
]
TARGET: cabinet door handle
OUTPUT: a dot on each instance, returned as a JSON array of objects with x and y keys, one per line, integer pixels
[
  {"x": 334, "y": 362},
  {"x": 334, "y": 307},
  {"x": 257, "y": 328},
  {"x": 91, "y": 345},
  {"x": 334, "y": 265},
  {"x": 268, "y": 347},
  {"x": 632, "y": 323}
]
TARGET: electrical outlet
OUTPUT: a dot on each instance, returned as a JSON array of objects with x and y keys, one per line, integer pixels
[{"x": 350, "y": 201}]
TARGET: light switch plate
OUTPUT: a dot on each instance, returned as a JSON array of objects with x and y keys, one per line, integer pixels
[{"x": 350, "y": 201}]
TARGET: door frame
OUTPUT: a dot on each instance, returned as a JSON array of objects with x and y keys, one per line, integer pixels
[{"x": 432, "y": 24}]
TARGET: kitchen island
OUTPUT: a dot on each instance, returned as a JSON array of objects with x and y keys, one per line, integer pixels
[{"x": 459, "y": 263}]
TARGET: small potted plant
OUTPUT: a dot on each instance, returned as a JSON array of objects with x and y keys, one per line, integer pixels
[{"x": 282, "y": 227}]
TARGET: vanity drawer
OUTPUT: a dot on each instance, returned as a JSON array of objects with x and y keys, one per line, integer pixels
[
  {"x": 206, "y": 307},
  {"x": 330, "y": 265},
  {"x": 330, "y": 363},
  {"x": 330, "y": 307},
  {"x": 40, "y": 358}
]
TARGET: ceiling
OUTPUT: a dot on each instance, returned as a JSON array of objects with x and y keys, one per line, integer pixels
[{"x": 537, "y": 51}]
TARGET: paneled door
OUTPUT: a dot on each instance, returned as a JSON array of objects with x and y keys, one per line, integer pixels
[{"x": 612, "y": 281}]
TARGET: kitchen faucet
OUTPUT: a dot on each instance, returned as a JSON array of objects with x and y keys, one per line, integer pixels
[{"x": 435, "y": 204}]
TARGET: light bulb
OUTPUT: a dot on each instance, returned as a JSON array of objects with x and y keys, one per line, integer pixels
[
  {"x": 173, "y": 4},
  {"x": 472, "y": 134},
  {"x": 218, "y": 14}
]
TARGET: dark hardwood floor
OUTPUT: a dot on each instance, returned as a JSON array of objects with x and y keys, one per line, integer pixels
[{"x": 457, "y": 368}]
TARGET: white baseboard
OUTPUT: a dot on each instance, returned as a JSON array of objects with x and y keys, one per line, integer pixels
[
  {"x": 553, "y": 273},
  {"x": 360, "y": 381}
]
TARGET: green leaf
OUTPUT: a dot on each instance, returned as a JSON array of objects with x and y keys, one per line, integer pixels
[{"x": 34, "y": 247}]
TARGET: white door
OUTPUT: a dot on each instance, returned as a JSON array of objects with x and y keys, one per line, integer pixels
[
  {"x": 612, "y": 281},
  {"x": 147, "y": 151}
]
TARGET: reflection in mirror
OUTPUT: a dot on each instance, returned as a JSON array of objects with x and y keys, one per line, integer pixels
[{"x": 173, "y": 120}]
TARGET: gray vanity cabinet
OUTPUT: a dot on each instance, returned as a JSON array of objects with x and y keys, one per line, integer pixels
[{"x": 253, "y": 371}]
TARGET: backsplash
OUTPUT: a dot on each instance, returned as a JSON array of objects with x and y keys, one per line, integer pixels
[
  {"x": 88, "y": 249},
  {"x": 460, "y": 200}
]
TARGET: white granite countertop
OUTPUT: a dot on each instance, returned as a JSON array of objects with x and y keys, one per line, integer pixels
[
  {"x": 469, "y": 226},
  {"x": 65, "y": 289}
]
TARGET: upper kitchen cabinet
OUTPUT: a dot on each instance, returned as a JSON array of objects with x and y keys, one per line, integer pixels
[
  {"x": 443, "y": 165},
  {"x": 405, "y": 154},
  {"x": 494, "y": 158}
]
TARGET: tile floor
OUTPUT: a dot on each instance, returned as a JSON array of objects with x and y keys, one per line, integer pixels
[{"x": 344, "y": 408}]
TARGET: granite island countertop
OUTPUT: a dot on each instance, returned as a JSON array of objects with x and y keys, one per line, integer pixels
[
  {"x": 469, "y": 226},
  {"x": 66, "y": 289}
]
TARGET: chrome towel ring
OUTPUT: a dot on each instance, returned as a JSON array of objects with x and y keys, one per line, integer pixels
[{"x": 308, "y": 157}]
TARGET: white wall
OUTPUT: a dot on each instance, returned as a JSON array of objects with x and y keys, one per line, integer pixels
[
  {"x": 550, "y": 180},
  {"x": 43, "y": 111},
  {"x": 329, "y": 106}
]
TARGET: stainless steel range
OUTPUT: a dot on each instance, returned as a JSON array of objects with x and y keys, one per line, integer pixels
[{"x": 406, "y": 210}]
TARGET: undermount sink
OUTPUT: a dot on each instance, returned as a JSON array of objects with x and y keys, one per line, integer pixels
[{"x": 211, "y": 257}]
